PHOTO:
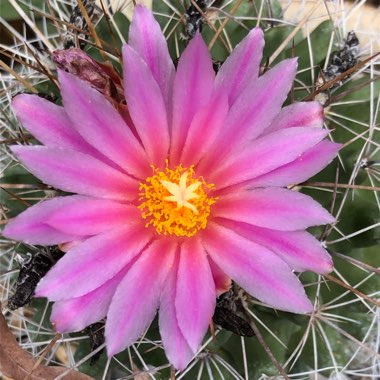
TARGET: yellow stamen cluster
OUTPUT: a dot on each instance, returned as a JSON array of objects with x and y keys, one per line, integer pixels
[{"x": 174, "y": 202}]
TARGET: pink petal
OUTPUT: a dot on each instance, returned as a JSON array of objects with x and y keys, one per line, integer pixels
[
  {"x": 76, "y": 172},
  {"x": 279, "y": 209},
  {"x": 75, "y": 314},
  {"x": 90, "y": 264},
  {"x": 146, "y": 106},
  {"x": 30, "y": 226},
  {"x": 242, "y": 66},
  {"x": 49, "y": 123},
  {"x": 221, "y": 280},
  {"x": 65, "y": 218},
  {"x": 101, "y": 125},
  {"x": 204, "y": 129},
  {"x": 255, "y": 109},
  {"x": 90, "y": 216},
  {"x": 303, "y": 114},
  {"x": 302, "y": 168},
  {"x": 256, "y": 269},
  {"x": 300, "y": 250},
  {"x": 147, "y": 39},
  {"x": 265, "y": 154},
  {"x": 193, "y": 86},
  {"x": 176, "y": 347},
  {"x": 195, "y": 295},
  {"x": 137, "y": 297}
]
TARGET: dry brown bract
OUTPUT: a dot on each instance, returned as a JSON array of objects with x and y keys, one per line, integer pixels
[{"x": 18, "y": 364}]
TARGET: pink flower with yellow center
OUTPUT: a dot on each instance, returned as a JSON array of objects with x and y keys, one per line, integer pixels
[{"x": 187, "y": 194}]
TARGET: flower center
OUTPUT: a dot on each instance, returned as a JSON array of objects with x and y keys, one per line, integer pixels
[{"x": 175, "y": 202}]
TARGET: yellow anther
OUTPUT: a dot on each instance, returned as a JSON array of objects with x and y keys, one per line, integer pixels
[{"x": 174, "y": 202}]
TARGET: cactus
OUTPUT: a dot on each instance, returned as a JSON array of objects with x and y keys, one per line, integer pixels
[{"x": 340, "y": 340}]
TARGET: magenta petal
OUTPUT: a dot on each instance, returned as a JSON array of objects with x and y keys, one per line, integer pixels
[
  {"x": 204, "y": 129},
  {"x": 146, "y": 106},
  {"x": 279, "y": 209},
  {"x": 46, "y": 121},
  {"x": 30, "y": 226},
  {"x": 255, "y": 109},
  {"x": 49, "y": 123},
  {"x": 263, "y": 155},
  {"x": 256, "y": 269},
  {"x": 302, "y": 168},
  {"x": 242, "y": 66},
  {"x": 63, "y": 219},
  {"x": 147, "y": 39},
  {"x": 176, "y": 347},
  {"x": 303, "y": 114},
  {"x": 90, "y": 216},
  {"x": 299, "y": 249},
  {"x": 90, "y": 264},
  {"x": 195, "y": 296},
  {"x": 193, "y": 86},
  {"x": 76, "y": 172},
  {"x": 75, "y": 314},
  {"x": 138, "y": 296},
  {"x": 101, "y": 125},
  {"x": 221, "y": 280}
]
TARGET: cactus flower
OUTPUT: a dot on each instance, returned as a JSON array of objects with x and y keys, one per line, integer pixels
[{"x": 167, "y": 207}]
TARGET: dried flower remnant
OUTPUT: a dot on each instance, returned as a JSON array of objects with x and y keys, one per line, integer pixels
[
  {"x": 78, "y": 63},
  {"x": 344, "y": 59},
  {"x": 340, "y": 61},
  {"x": 188, "y": 195},
  {"x": 194, "y": 17},
  {"x": 74, "y": 38},
  {"x": 365, "y": 163},
  {"x": 96, "y": 334},
  {"x": 32, "y": 269},
  {"x": 231, "y": 312}
]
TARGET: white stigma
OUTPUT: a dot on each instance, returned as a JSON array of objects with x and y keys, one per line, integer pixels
[{"x": 182, "y": 194}]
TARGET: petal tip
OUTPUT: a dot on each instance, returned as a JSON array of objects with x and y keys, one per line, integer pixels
[
  {"x": 113, "y": 343},
  {"x": 289, "y": 66},
  {"x": 301, "y": 306},
  {"x": 45, "y": 288},
  {"x": 58, "y": 320},
  {"x": 329, "y": 219},
  {"x": 12, "y": 231},
  {"x": 337, "y": 147},
  {"x": 198, "y": 43},
  {"x": 21, "y": 151},
  {"x": 180, "y": 364},
  {"x": 67, "y": 79},
  {"x": 140, "y": 10},
  {"x": 294, "y": 64},
  {"x": 16, "y": 149},
  {"x": 19, "y": 101},
  {"x": 327, "y": 267},
  {"x": 66, "y": 82},
  {"x": 62, "y": 74},
  {"x": 309, "y": 308},
  {"x": 127, "y": 51},
  {"x": 40, "y": 291},
  {"x": 258, "y": 33},
  {"x": 7, "y": 231},
  {"x": 112, "y": 348},
  {"x": 124, "y": 47}
]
